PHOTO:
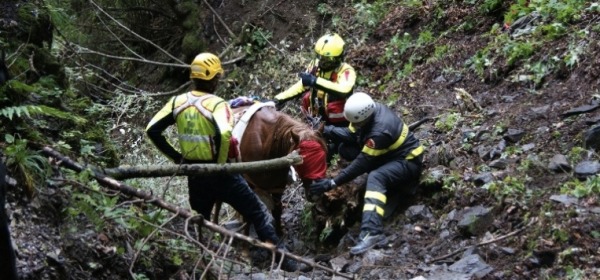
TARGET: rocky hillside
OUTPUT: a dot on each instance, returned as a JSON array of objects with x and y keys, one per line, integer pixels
[{"x": 509, "y": 90}]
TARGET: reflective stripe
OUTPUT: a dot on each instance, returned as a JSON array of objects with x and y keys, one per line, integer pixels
[
  {"x": 396, "y": 145},
  {"x": 373, "y": 207},
  {"x": 336, "y": 115},
  {"x": 195, "y": 138},
  {"x": 415, "y": 152},
  {"x": 376, "y": 195},
  {"x": 352, "y": 128}
]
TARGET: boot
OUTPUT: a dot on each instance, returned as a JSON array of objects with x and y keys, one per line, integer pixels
[{"x": 367, "y": 242}]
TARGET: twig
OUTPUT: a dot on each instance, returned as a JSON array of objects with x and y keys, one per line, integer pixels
[
  {"x": 31, "y": 64},
  {"x": 135, "y": 34},
  {"x": 84, "y": 50},
  {"x": 270, "y": 8},
  {"x": 483, "y": 243},
  {"x": 217, "y": 33},
  {"x": 269, "y": 42},
  {"x": 144, "y": 241},
  {"x": 220, "y": 19}
]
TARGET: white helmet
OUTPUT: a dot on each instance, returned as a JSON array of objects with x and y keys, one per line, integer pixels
[{"x": 359, "y": 107}]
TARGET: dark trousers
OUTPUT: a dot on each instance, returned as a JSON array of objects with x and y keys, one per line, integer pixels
[
  {"x": 232, "y": 189},
  {"x": 395, "y": 176}
]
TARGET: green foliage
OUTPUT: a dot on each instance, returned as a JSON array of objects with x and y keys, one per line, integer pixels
[
  {"x": 413, "y": 3},
  {"x": 307, "y": 222},
  {"x": 576, "y": 154},
  {"x": 31, "y": 167},
  {"x": 554, "y": 30},
  {"x": 325, "y": 9},
  {"x": 508, "y": 187},
  {"x": 370, "y": 14},
  {"x": 259, "y": 39},
  {"x": 515, "y": 51},
  {"x": 563, "y": 11},
  {"x": 398, "y": 45},
  {"x": 30, "y": 110},
  {"x": 439, "y": 52},
  {"x": 448, "y": 121},
  {"x": 588, "y": 188},
  {"x": 490, "y": 6},
  {"x": 479, "y": 62},
  {"x": 572, "y": 57},
  {"x": 425, "y": 38}
]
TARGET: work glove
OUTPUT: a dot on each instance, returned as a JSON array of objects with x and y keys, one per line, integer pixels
[
  {"x": 308, "y": 80},
  {"x": 241, "y": 101},
  {"x": 234, "y": 150},
  {"x": 321, "y": 186}
]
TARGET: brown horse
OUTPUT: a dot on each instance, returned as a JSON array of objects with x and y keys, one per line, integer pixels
[{"x": 272, "y": 134}]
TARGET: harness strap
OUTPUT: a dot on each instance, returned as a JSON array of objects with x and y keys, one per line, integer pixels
[{"x": 195, "y": 101}]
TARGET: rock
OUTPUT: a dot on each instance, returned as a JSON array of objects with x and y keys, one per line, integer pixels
[
  {"x": 418, "y": 212},
  {"x": 499, "y": 163},
  {"x": 565, "y": 199},
  {"x": 586, "y": 169},
  {"x": 540, "y": 112},
  {"x": 581, "y": 110},
  {"x": 559, "y": 163},
  {"x": 483, "y": 178},
  {"x": 592, "y": 138},
  {"x": 471, "y": 265},
  {"x": 475, "y": 221},
  {"x": 528, "y": 147},
  {"x": 514, "y": 135}
]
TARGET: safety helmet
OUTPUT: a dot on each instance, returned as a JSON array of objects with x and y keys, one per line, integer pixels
[
  {"x": 330, "y": 45},
  {"x": 205, "y": 66},
  {"x": 359, "y": 107}
]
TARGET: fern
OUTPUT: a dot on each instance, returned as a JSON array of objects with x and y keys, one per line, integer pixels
[
  {"x": 31, "y": 167},
  {"x": 29, "y": 110}
]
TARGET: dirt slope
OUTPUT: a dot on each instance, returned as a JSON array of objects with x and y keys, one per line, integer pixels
[{"x": 529, "y": 235}]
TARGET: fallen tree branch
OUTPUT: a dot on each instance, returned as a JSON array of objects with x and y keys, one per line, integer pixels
[
  {"x": 418, "y": 123},
  {"x": 178, "y": 211},
  {"x": 483, "y": 243},
  {"x": 193, "y": 169}
]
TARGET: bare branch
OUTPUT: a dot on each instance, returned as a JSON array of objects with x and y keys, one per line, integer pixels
[
  {"x": 84, "y": 50},
  {"x": 220, "y": 19},
  {"x": 194, "y": 169},
  {"x": 137, "y": 35}
]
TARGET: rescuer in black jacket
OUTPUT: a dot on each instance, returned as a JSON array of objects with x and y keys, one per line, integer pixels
[{"x": 390, "y": 154}]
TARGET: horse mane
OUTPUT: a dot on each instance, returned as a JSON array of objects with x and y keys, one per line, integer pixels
[{"x": 287, "y": 127}]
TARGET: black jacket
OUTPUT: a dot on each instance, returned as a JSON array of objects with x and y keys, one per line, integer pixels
[{"x": 385, "y": 138}]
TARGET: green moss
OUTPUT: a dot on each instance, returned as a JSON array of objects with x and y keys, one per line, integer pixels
[
  {"x": 192, "y": 44},
  {"x": 35, "y": 24}
]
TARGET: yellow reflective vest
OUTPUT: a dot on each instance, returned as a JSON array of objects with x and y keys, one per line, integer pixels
[{"x": 204, "y": 124}]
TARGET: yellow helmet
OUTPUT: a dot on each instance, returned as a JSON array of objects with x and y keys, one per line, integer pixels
[
  {"x": 205, "y": 66},
  {"x": 330, "y": 45}
]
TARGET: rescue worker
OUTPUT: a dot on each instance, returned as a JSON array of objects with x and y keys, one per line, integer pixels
[
  {"x": 390, "y": 154},
  {"x": 204, "y": 123},
  {"x": 325, "y": 85}
]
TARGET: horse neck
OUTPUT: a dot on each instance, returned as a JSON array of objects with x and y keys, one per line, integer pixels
[{"x": 293, "y": 132}]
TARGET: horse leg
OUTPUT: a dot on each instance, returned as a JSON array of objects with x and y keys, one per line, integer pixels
[
  {"x": 277, "y": 212},
  {"x": 217, "y": 210}
]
